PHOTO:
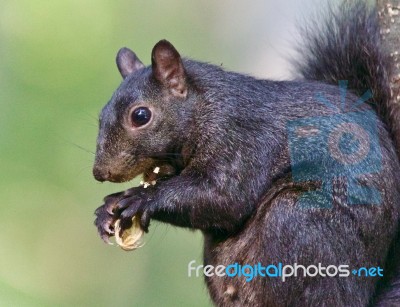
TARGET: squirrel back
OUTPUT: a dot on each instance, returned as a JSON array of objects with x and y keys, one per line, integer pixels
[{"x": 348, "y": 46}]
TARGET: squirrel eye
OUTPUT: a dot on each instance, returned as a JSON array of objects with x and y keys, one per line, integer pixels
[{"x": 140, "y": 116}]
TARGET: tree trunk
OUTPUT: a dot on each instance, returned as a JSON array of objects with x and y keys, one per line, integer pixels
[{"x": 389, "y": 18}]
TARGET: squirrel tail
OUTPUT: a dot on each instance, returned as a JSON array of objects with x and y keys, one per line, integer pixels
[{"x": 348, "y": 46}]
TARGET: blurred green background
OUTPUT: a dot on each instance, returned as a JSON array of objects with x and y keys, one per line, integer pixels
[{"x": 57, "y": 70}]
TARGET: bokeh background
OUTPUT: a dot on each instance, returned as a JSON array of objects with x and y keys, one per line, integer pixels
[{"x": 57, "y": 70}]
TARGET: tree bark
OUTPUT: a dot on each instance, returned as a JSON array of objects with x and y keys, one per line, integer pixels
[{"x": 389, "y": 19}]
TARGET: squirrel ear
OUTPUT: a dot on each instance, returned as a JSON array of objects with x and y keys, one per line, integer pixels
[
  {"x": 168, "y": 68},
  {"x": 127, "y": 62}
]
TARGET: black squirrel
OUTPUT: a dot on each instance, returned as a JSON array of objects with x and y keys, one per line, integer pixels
[{"x": 232, "y": 164}]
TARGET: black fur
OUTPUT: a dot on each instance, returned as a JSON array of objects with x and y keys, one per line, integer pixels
[
  {"x": 348, "y": 46},
  {"x": 222, "y": 142}
]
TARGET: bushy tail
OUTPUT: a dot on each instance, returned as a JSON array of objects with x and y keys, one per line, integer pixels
[{"x": 348, "y": 47}]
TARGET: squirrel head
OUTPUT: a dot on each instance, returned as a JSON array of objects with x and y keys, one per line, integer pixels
[{"x": 144, "y": 121}]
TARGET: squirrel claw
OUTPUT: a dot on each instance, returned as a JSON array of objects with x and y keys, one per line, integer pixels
[
  {"x": 134, "y": 206},
  {"x": 104, "y": 221},
  {"x": 145, "y": 220},
  {"x": 106, "y": 239},
  {"x": 122, "y": 206}
]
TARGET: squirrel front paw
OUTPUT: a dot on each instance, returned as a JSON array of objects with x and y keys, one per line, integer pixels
[
  {"x": 135, "y": 205},
  {"x": 122, "y": 206},
  {"x": 105, "y": 217}
]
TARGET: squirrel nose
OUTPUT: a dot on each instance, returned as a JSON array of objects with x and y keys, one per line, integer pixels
[{"x": 100, "y": 174}]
